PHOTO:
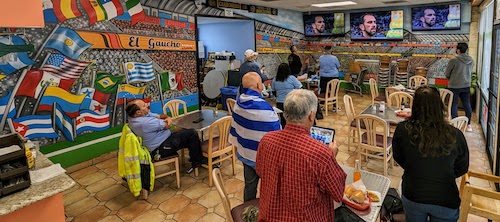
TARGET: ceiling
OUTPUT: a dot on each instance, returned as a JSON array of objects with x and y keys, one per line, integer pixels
[{"x": 305, "y": 5}]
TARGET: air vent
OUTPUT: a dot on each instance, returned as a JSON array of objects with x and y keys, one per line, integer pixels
[{"x": 395, "y": 2}]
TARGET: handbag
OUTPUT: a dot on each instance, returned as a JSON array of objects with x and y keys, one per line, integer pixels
[
  {"x": 392, "y": 207},
  {"x": 344, "y": 214}
]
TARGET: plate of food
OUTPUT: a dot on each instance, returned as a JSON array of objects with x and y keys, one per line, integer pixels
[
  {"x": 406, "y": 112},
  {"x": 357, "y": 199}
]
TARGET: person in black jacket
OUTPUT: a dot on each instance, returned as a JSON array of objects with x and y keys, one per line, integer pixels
[{"x": 433, "y": 154}]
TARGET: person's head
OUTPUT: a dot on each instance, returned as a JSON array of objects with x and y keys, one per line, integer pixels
[
  {"x": 462, "y": 48},
  {"x": 250, "y": 55},
  {"x": 318, "y": 25},
  {"x": 427, "y": 126},
  {"x": 328, "y": 49},
  {"x": 428, "y": 18},
  {"x": 368, "y": 25},
  {"x": 137, "y": 108},
  {"x": 300, "y": 107},
  {"x": 293, "y": 48},
  {"x": 253, "y": 81},
  {"x": 283, "y": 72}
]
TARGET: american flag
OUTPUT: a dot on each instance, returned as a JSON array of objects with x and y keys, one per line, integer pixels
[{"x": 64, "y": 67}]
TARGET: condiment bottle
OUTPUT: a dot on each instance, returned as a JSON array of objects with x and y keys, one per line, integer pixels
[{"x": 356, "y": 175}]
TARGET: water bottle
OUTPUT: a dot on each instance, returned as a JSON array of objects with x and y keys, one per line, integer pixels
[{"x": 382, "y": 106}]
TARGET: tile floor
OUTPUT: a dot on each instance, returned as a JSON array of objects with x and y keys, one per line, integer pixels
[{"x": 100, "y": 194}]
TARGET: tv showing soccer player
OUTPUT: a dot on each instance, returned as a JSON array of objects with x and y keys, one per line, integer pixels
[
  {"x": 331, "y": 24},
  {"x": 380, "y": 25},
  {"x": 436, "y": 17}
]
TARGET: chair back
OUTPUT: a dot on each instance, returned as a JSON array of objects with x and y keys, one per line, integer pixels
[
  {"x": 476, "y": 199},
  {"x": 416, "y": 81},
  {"x": 332, "y": 90},
  {"x": 447, "y": 98},
  {"x": 349, "y": 108},
  {"x": 390, "y": 90},
  {"x": 373, "y": 126},
  {"x": 355, "y": 67},
  {"x": 398, "y": 98},
  {"x": 373, "y": 89},
  {"x": 174, "y": 107},
  {"x": 385, "y": 62},
  {"x": 219, "y": 185},
  {"x": 402, "y": 65},
  {"x": 221, "y": 126},
  {"x": 460, "y": 122},
  {"x": 230, "y": 105}
]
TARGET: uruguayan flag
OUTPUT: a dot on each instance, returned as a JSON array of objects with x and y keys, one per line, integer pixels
[
  {"x": 68, "y": 42},
  {"x": 140, "y": 72}
]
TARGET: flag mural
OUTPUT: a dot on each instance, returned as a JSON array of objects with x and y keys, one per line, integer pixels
[
  {"x": 3, "y": 105},
  {"x": 48, "y": 11},
  {"x": 34, "y": 126},
  {"x": 65, "y": 9},
  {"x": 64, "y": 67},
  {"x": 69, "y": 102},
  {"x": 63, "y": 123},
  {"x": 68, "y": 42},
  {"x": 135, "y": 11},
  {"x": 94, "y": 100},
  {"x": 89, "y": 120},
  {"x": 99, "y": 10},
  {"x": 107, "y": 83},
  {"x": 139, "y": 72},
  {"x": 22, "y": 60},
  {"x": 127, "y": 91},
  {"x": 34, "y": 81},
  {"x": 171, "y": 81}
]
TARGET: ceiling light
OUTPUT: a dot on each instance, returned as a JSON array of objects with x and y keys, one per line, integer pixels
[{"x": 333, "y": 4}]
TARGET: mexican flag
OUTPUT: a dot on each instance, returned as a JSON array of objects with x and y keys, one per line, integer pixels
[
  {"x": 135, "y": 11},
  {"x": 171, "y": 81}
]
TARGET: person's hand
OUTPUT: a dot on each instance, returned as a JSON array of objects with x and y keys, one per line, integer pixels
[
  {"x": 168, "y": 122},
  {"x": 334, "y": 147}
]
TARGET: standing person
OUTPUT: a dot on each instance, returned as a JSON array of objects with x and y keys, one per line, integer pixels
[
  {"x": 296, "y": 64},
  {"x": 433, "y": 154},
  {"x": 300, "y": 178},
  {"x": 154, "y": 129},
  {"x": 252, "y": 118},
  {"x": 250, "y": 64},
  {"x": 284, "y": 83},
  {"x": 459, "y": 73}
]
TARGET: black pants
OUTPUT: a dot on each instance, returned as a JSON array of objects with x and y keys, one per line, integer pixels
[
  {"x": 282, "y": 118},
  {"x": 323, "y": 81},
  {"x": 182, "y": 139}
]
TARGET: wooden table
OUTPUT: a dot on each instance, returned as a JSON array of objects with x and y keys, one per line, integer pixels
[
  {"x": 388, "y": 115},
  {"x": 208, "y": 116}
]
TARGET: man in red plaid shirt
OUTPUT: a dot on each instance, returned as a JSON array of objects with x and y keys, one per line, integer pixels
[{"x": 300, "y": 178}]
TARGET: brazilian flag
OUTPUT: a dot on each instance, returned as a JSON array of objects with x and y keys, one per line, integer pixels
[{"x": 107, "y": 83}]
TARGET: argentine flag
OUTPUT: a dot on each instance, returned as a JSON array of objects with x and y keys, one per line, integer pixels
[
  {"x": 64, "y": 123},
  {"x": 140, "y": 72},
  {"x": 22, "y": 60},
  {"x": 68, "y": 42}
]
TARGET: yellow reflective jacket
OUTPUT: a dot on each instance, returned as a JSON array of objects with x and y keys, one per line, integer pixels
[{"x": 130, "y": 157}]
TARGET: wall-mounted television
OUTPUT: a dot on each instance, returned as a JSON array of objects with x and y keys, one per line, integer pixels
[
  {"x": 436, "y": 17},
  {"x": 331, "y": 24},
  {"x": 381, "y": 25}
]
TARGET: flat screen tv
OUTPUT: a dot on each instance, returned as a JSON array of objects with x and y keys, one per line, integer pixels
[
  {"x": 382, "y": 25},
  {"x": 331, "y": 24},
  {"x": 436, "y": 17}
]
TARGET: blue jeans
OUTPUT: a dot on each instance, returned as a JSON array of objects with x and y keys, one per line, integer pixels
[
  {"x": 417, "y": 212},
  {"x": 464, "y": 94},
  {"x": 251, "y": 182}
]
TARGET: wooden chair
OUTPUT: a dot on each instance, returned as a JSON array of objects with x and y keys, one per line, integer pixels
[
  {"x": 235, "y": 213},
  {"x": 330, "y": 96},
  {"x": 374, "y": 91},
  {"x": 374, "y": 138},
  {"x": 460, "y": 122},
  {"x": 398, "y": 98},
  {"x": 230, "y": 102},
  {"x": 477, "y": 200},
  {"x": 416, "y": 81},
  {"x": 389, "y": 91},
  {"x": 218, "y": 146},
  {"x": 174, "y": 106},
  {"x": 351, "y": 118},
  {"x": 162, "y": 162},
  {"x": 447, "y": 98}
]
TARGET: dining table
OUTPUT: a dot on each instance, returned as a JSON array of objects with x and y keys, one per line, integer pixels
[
  {"x": 208, "y": 116},
  {"x": 389, "y": 113}
]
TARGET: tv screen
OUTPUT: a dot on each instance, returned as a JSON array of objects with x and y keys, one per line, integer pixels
[
  {"x": 384, "y": 25},
  {"x": 331, "y": 24},
  {"x": 437, "y": 17}
]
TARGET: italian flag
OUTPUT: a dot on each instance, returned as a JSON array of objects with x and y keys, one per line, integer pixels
[{"x": 135, "y": 11}]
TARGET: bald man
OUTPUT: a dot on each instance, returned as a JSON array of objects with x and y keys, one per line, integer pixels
[
  {"x": 252, "y": 118},
  {"x": 157, "y": 137}
]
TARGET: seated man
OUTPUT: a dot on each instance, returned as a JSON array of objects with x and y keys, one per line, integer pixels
[
  {"x": 300, "y": 178},
  {"x": 157, "y": 137}
]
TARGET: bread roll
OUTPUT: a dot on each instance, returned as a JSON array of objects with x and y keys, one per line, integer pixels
[
  {"x": 358, "y": 197},
  {"x": 349, "y": 190},
  {"x": 373, "y": 196}
]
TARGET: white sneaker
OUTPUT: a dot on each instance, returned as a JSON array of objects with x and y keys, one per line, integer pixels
[{"x": 469, "y": 128}]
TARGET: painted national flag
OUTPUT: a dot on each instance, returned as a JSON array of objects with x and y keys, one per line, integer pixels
[
  {"x": 140, "y": 72},
  {"x": 88, "y": 120},
  {"x": 48, "y": 11},
  {"x": 112, "y": 8},
  {"x": 171, "y": 81},
  {"x": 94, "y": 100},
  {"x": 178, "y": 80},
  {"x": 34, "y": 126},
  {"x": 22, "y": 60},
  {"x": 69, "y": 102},
  {"x": 64, "y": 67},
  {"x": 94, "y": 10},
  {"x": 34, "y": 80},
  {"x": 63, "y": 123},
  {"x": 127, "y": 91},
  {"x": 68, "y": 42},
  {"x": 66, "y": 9},
  {"x": 3, "y": 104},
  {"x": 107, "y": 83},
  {"x": 135, "y": 11}
]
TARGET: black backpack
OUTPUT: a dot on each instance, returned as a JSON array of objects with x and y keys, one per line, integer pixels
[{"x": 392, "y": 207}]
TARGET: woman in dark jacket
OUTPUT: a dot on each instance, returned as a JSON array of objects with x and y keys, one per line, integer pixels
[{"x": 433, "y": 154}]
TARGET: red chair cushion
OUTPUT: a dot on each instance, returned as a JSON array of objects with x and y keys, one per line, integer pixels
[
  {"x": 379, "y": 98},
  {"x": 379, "y": 139}
]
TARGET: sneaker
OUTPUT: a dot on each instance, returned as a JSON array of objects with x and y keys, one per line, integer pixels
[
  {"x": 190, "y": 170},
  {"x": 469, "y": 128}
]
